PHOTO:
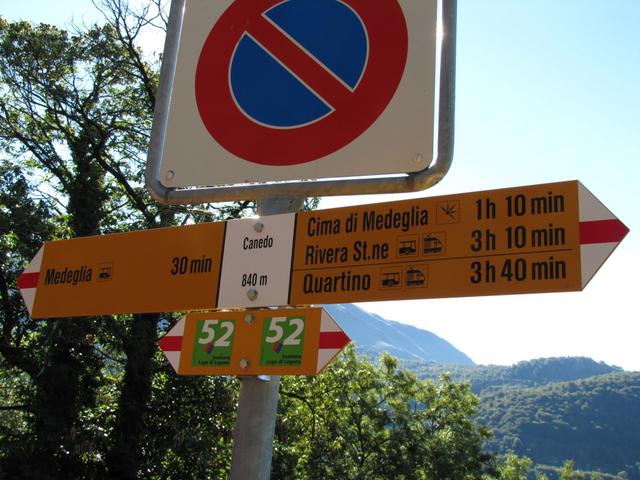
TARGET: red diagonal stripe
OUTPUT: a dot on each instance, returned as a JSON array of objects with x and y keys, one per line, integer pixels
[
  {"x": 171, "y": 343},
  {"x": 298, "y": 61},
  {"x": 28, "y": 280},
  {"x": 333, "y": 339},
  {"x": 602, "y": 231}
]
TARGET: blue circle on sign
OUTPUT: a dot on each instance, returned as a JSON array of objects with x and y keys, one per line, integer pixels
[{"x": 264, "y": 88}]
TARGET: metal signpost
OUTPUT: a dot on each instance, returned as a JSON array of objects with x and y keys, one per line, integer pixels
[
  {"x": 258, "y": 397},
  {"x": 278, "y": 100}
]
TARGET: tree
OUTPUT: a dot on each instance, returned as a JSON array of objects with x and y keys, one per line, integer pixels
[
  {"x": 24, "y": 223},
  {"x": 568, "y": 473},
  {"x": 75, "y": 117},
  {"x": 514, "y": 468},
  {"x": 360, "y": 421},
  {"x": 93, "y": 397}
]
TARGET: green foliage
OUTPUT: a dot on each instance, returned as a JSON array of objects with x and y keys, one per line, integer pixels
[
  {"x": 13, "y": 414},
  {"x": 75, "y": 118},
  {"x": 514, "y": 468},
  {"x": 357, "y": 420},
  {"x": 557, "y": 408},
  {"x": 594, "y": 421},
  {"x": 189, "y": 434},
  {"x": 93, "y": 397},
  {"x": 530, "y": 373}
]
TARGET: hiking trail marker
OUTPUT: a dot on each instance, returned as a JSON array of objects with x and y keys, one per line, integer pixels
[
  {"x": 299, "y": 341},
  {"x": 534, "y": 239},
  {"x": 164, "y": 269}
]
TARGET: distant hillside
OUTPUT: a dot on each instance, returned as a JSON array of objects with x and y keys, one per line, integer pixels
[
  {"x": 550, "y": 409},
  {"x": 555, "y": 409},
  {"x": 374, "y": 335},
  {"x": 529, "y": 373},
  {"x": 595, "y": 422}
]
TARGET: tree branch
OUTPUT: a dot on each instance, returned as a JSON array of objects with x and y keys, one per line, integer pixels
[{"x": 14, "y": 407}]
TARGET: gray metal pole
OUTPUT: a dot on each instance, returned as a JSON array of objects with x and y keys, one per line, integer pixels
[{"x": 258, "y": 401}]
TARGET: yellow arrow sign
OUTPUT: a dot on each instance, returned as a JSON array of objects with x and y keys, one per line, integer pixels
[
  {"x": 298, "y": 341},
  {"x": 541, "y": 238},
  {"x": 167, "y": 269}
]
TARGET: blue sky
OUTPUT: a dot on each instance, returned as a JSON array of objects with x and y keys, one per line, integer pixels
[{"x": 547, "y": 91}]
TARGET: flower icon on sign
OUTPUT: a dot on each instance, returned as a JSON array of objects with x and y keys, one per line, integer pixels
[{"x": 448, "y": 212}]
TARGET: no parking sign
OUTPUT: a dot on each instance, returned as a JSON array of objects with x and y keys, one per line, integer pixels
[
  {"x": 298, "y": 82},
  {"x": 272, "y": 90}
]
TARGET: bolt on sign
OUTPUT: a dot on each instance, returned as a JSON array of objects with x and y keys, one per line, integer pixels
[
  {"x": 535, "y": 239},
  {"x": 299, "y": 341}
]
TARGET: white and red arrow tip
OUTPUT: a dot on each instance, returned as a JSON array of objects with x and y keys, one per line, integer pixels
[
  {"x": 171, "y": 343},
  {"x": 28, "y": 280},
  {"x": 600, "y": 233},
  {"x": 332, "y": 340}
]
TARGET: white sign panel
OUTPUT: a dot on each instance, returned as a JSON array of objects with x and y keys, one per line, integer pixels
[
  {"x": 268, "y": 90},
  {"x": 256, "y": 263}
]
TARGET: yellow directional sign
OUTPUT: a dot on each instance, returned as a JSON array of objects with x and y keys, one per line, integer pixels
[
  {"x": 294, "y": 341},
  {"x": 164, "y": 269},
  {"x": 541, "y": 238},
  {"x": 516, "y": 240}
]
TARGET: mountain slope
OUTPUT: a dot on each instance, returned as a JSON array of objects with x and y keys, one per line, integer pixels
[
  {"x": 530, "y": 373},
  {"x": 554, "y": 409},
  {"x": 374, "y": 335},
  {"x": 550, "y": 409},
  {"x": 595, "y": 422}
]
